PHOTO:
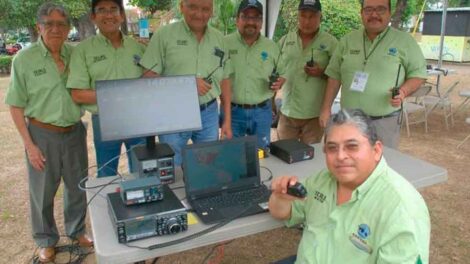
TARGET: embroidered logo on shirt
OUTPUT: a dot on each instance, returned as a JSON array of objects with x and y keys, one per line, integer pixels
[
  {"x": 182, "y": 42},
  {"x": 319, "y": 196},
  {"x": 419, "y": 261},
  {"x": 233, "y": 52},
  {"x": 264, "y": 56},
  {"x": 359, "y": 239},
  {"x": 354, "y": 52},
  {"x": 392, "y": 51},
  {"x": 40, "y": 72},
  {"x": 290, "y": 43},
  {"x": 99, "y": 58}
]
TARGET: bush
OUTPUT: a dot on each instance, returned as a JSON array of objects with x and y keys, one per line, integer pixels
[{"x": 5, "y": 64}]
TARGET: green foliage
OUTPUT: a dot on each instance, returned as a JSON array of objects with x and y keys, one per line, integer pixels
[
  {"x": 224, "y": 16},
  {"x": 5, "y": 63},
  {"x": 151, "y": 6},
  {"x": 339, "y": 16}
]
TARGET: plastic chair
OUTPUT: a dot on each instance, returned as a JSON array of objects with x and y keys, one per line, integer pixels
[
  {"x": 467, "y": 120},
  {"x": 414, "y": 104},
  {"x": 443, "y": 102},
  {"x": 465, "y": 94}
]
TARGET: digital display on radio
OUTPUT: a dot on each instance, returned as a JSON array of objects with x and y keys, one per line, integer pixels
[{"x": 140, "y": 227}]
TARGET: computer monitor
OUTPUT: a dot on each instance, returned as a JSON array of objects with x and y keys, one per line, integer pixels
[{"x": 146, "y": 107}]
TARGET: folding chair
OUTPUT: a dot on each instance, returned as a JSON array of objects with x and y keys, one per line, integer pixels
[
  {"x": 443, "y": 102},
  {"x": 465, "y": 94},
  {"x": 414, "y": 104},
  {"x": 467, "y": 120}
]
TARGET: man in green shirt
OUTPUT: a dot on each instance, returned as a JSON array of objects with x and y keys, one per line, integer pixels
[
  {"x": 192, "y": 47},
  {"x": 110, "y": 55},
  {"x": 367, "y": 64},
  {"x": 305, "y": 54},
  {"x": 253, "y": 58},
  {"x": 54, "y": 138},
  {"x": 359, "y": 210}
]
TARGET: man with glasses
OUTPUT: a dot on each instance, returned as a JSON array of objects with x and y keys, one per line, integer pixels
[
  {"x": 253, "y": 58},
  {"x": 192, "y": 47},
  {"x": 305, "y": 53},
  {"x": 368, "y": 63},
  {"x": 110, "y": 55},
  {"x": 358, "y": 210},
  {"x": 53, "y": 135}
]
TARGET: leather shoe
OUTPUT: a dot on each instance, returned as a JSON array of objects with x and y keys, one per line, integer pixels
[
  {"x": 85, "y": 241},
  {"x": 46, "y": 254}
]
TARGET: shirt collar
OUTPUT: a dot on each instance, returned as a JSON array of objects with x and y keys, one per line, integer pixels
[
  {"x": 45, "y": 51},
  {"x": 379, "y": 37},
  {"x": 240, "y": 38},
  {"x": 367, "y": 184},
  {"x": 107, "y": 42}
]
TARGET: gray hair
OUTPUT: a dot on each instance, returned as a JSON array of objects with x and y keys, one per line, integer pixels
[
  {"x": 48, "y": 7},
  {"x": 354, "y": 117}
]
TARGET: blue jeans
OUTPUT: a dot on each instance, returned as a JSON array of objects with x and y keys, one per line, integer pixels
[
  {"x": 209, "y": 132},
  {"x": 107, "y": 150},
  {"x": 255, "y": 121}
]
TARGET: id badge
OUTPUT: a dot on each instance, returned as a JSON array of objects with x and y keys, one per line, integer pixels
[{"x": 359, "y": 82}]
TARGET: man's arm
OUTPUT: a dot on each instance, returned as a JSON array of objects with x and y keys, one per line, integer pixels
[
  {"x": 226, "y": 86},
  {"x": 84, "y": 96},
  {"x": 331, "y": 91},
  {"x": 35, "y": 155},
  {"x": 280, "y": 203},
  {"x": 407, "y": 88}
]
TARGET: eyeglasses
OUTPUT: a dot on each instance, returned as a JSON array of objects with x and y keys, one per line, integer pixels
[
  {"x": 380, "y": 10},
  {"x": 115, "y": 11},
  {"x": 48, "y": 25},
  {"x": 251, "y": 18}
]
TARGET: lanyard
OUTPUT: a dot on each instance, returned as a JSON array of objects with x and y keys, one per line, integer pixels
[{"x": 366, "y": 57}]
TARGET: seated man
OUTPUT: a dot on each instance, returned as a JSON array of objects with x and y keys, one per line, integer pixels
[{"x": 359, "y": 210}]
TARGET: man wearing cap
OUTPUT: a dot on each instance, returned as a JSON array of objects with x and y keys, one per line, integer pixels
[
  {"x": 193, "y": 47},
  {"x": 368, "y": 63},
  {"x": 109, "y": 55},
  {"x": 305, "y": 54},
  {"x": 54, "y": 138},
  {"x": 253, "y": 58}
]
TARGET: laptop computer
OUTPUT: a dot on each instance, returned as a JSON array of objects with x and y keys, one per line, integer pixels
[{"x": 222, "y": 179}]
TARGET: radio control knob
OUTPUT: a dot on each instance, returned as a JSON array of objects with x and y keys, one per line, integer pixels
[{"x": 173, "y": 226}]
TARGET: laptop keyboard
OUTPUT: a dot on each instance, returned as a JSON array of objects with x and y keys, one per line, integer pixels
[{"x": 245, "y": 197}]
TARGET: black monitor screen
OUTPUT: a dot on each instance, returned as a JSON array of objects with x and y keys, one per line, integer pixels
[
  {"x": 221, "y": 165},
  {"x": 147, "y": 107}
]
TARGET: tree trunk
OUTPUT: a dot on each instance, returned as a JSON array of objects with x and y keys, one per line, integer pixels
[
  {"x": 396, "y": 18},
  {"x": 33, "y": 33},
  {"x": 84, "y": 26}
]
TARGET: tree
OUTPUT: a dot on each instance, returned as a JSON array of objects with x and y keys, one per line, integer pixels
[
  {"x": 224, "y": 18},
  {"x": 152, "y": 6}
]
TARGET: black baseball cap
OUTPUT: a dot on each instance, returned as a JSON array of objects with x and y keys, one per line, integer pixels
[
  {"x": 314, "y": 5},
  {"x": 245, "y": 4}
]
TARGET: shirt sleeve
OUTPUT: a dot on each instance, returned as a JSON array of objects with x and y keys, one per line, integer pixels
[
  {"x": 17, "y": 94},
  {"x": 334, "y": 67},
  {"x": 153, "y": 58},
  {"x": 416, "y": 63},
  {"x": 79, "y": 77}
]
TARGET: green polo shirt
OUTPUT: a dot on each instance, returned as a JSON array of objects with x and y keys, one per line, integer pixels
[
  {"x": 174, "y": 50},
  {"x": 252, "y": 66},
  {"x": 386, "y": 221},
  {"x": 96, "y": 59},
  {"x": 303, "y": 94},
  {"x": 37, "y": 86},
  {"x": 391, "y": 48}
]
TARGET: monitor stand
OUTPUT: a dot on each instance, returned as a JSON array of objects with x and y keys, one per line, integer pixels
[{"x": 154, "y": 159}]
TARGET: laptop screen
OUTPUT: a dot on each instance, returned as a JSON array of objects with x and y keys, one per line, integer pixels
[{"x": 220, "y": 165}]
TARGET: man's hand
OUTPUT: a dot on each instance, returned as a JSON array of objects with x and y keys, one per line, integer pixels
[
  {"x": 226, "y": 130},
  {"x": 202, "y": 86},
  {"x": 277, "y": 85},
  {"x": 314, "y": 71},
  {"x": 396, "y": 101},
  {"x": 279, "y": 187},
  {"x": 35, "y": 157},
  {"x": 324, "y": 117}
]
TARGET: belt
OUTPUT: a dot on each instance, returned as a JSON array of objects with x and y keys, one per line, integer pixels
[
  {"x": 50, "y": 127},
  {"x": 251, "y": 106},
  {"x": 205, "y": 105},
  {"x": 392, "y": 114}
]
